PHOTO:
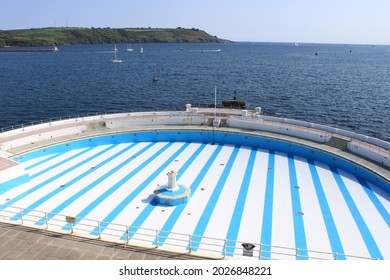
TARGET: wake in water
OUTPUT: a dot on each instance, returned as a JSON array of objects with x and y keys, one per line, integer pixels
[{"x": 216, "y": 50}]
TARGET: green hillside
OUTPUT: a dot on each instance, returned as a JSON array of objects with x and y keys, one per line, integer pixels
[{"x": 59, "y": 36}]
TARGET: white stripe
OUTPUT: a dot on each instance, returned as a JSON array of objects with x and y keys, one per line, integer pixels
[
  {"x": 70, "y": 190},
  {"x": 351, "y": 239},
  {"x": 315, "y": 230},
  {"x": 106, "y": 206},
  {"x": 33, "y": 161},
  {"x": 374, "y": 221},
  {"x": 157, "y": 217},
  {"x": 250, "y": 228},
  {"x": 79, "y": 204},
  {"x": 146, "y": 195},
  {"x": 130, "y": 213},
  {"x": 382, "y": 195},
  {"x": 282, "y": 219},
  {"x": 194, "y": 208},
  {"x": 54, "y": 161},
  {"x": 49, "y": 187},
  {"x": 219, "y": 222}
]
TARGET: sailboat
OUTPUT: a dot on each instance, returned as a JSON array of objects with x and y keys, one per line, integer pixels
[
  {"x": 141, "y": 50},
  {"x": 116, "y": 60},
  {"x": 129, "y": 49},
  {"x": 55, "y": 49}
]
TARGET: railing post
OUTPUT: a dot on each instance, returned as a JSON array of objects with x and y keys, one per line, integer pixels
[
  {"x": 156, "y": 238},
  {"x": 335, "y": 256},
  {"x": 46, "y": 221},
  {"x": 71, "y": 228},
  {"x": 189, "y": 243},
  {"x": 99, "y": 229},
  {"x": 224, "y": 248},
  {"x": 127, "y": 235},
  {"x": 21, "y": 215},
  {"x": 296, "y": 253},
  {"x": 260, "y": 248}
]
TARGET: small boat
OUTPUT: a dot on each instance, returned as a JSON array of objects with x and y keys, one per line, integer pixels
[
  {"x": 116, "y": 60},
  {"x": 216, "y": 50},
  {"x": 129, "y": 49},
  {"x": 155, "y": 79},
  {"x": 141, "y": 51}
]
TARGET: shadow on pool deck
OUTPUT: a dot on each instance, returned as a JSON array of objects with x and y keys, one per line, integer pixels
[{"x": 25, "y": 243}]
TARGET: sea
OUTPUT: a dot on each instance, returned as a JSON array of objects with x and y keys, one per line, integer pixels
[{"x": 343, "y": 86}]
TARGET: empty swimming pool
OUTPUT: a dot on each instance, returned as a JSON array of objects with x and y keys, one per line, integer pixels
[{"x": 288, "y": 200}]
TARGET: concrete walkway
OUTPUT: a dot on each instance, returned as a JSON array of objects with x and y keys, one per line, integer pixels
[{"x": 25, "y": 243}]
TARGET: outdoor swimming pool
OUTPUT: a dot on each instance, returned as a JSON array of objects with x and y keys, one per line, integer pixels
[{"x": 244, "y": 189}]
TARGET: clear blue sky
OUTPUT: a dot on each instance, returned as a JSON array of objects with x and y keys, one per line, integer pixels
[{"x": 317, "y": 21}]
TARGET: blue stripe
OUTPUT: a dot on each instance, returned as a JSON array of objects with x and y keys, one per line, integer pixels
[
  {"x": 43, "y": 184},
  {"x": 266, "y": 228},
  {"x": 334, "y": 239},
  {"x": 208, "y": 210},
  {"x": 51, "y": 167},
  {"x": 360, "y": 223},
  {"x": 83, "y": 191},
  {"x": 73, "y": 181},
  {"x": 42, "y": 161},
  {"x": 239, "y": 208},
  {"x": 13, "y": 183},
  {"x": 374, "y": 199},
  {"x": 149, "y": 208},
  {"x": 114, "y": 213},
  {"x": 169, "y": 224},
  {"x": 299, "y": 227}
]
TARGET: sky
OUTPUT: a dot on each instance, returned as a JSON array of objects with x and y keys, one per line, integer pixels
[{"x": 303, "y": 21}]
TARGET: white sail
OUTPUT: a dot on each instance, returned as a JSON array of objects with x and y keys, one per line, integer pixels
[
  {"x": 129, "y": 49},
  {"x": 116, "y": 60}
]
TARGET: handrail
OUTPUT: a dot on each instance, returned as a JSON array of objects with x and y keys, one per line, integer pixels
[
  {"x": 210, "y": 245},
  {"x": 61, "y": 118},
  {"x": 370, "y": 143}
]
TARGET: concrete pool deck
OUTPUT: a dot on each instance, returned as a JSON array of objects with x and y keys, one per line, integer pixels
[
  {"x": 27, "y": 243},
  {"x": 237, "y": 173}
]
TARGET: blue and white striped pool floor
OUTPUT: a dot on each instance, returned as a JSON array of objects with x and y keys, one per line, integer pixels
[{"x": 237, "y": 193}]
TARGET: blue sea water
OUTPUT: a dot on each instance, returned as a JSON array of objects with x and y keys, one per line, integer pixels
[{"x": 345, "y": 86}]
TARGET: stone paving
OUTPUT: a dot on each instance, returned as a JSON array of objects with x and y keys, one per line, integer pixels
[{"x": 25, "y": 243}]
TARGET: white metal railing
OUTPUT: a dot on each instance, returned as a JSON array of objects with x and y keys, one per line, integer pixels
[
  {"x": 78, "y": 116},
  {"x": 126, "y": 235},
  {"x": 32, "y": 123},
  {"x": 75, "y": 128},
  {"x": 53, "y": 124},
  {"x": 370, "y": 143}
]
